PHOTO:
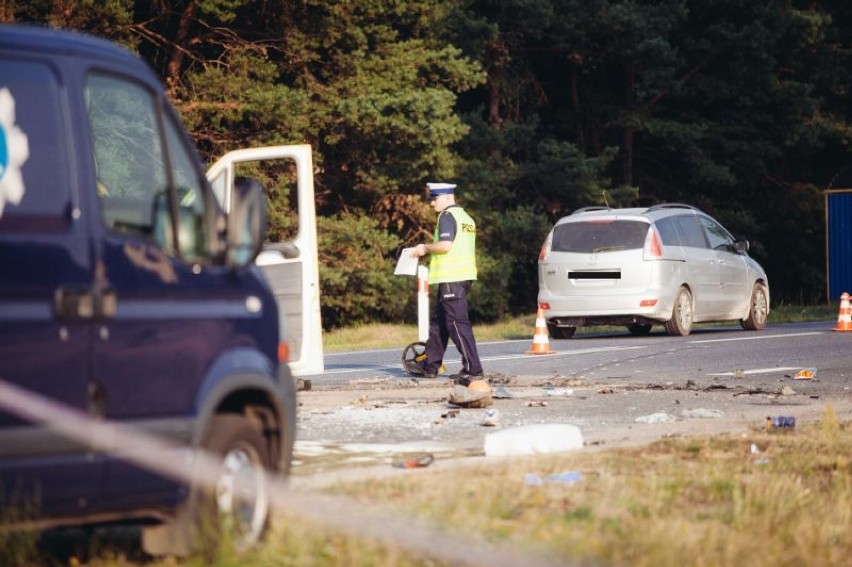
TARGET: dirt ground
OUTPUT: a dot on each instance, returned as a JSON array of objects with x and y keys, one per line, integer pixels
[{"x": 385, "y": 420}]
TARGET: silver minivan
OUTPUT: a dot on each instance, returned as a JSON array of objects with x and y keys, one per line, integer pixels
[{"x": 669, "y": 264}]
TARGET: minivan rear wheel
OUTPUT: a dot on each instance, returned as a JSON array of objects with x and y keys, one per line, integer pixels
[
  {"x": 758, "y": 309},
  {"x": 680, "y": 324},
  {"x": 558, "y": 332}
]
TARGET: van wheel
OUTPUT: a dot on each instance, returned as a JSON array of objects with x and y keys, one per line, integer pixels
[
  {"x": 557, "y": 332},
  {"x": 758, "y": 310},
  {"x": 235, "y": 510},
  {"x": 680, "y": 324},
  {"x": 639, "y": 329}
]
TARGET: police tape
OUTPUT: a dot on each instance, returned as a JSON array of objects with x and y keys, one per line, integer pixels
[{"x": 345, "y": 515}]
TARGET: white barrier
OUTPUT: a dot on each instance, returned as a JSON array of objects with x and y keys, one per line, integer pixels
[{"x": 422, "y": 304}]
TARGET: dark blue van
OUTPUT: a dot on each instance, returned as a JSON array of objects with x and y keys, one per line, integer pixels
[{"x": 127, "y": 295}]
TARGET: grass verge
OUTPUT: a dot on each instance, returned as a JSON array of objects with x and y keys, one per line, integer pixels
[
  {"x": 758, "y": 499},
  {"x": 764, "y": 499}
]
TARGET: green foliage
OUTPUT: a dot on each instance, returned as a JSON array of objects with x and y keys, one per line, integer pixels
[
  {"x": 357, "y": 259},
  {"x": 242, "y": 103},
  {"x": 535, "y": 107},
  {"x": 112, "y": 19}
]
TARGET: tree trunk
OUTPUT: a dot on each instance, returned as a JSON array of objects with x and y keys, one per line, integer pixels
[
  {"x": 173, "y": 67},
  {"x": 627, "y": 163},
  {"x": 573, "y": 62},
  {"x": 494, "y": 102},
  {"x": 629, "y": 135}
]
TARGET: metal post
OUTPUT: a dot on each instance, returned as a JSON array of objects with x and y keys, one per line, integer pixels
[{"x": 422, "y": 303}]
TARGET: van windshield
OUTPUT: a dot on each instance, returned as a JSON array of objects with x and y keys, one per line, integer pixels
[{"x": 599, "y": 236}]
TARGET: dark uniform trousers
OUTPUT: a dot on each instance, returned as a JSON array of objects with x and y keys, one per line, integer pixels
[{"x": 451, "y": 321}]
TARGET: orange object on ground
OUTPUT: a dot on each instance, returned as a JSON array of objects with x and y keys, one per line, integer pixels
[
  {"x": 844, "y": 318},
  {"x": 541, "y": 340},
  {"x": 417, "y": 463},
  {"x": 480, "y": 385}
]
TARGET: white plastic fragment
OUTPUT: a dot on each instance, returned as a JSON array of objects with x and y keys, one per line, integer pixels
[
  {"x": 534, "y": 440},
  {"x": 554, "y": 392},
  {"x": 492, "y": 418},
  {"x": 659, "y": 417},
  {"x": 702, "y": 413}
]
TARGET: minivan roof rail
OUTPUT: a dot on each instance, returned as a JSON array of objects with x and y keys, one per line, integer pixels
[
  {"x": 593, "y": 208},
  {"x": 670, "y": 206}
]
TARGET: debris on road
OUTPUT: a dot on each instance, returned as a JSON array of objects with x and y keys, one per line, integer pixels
[
  {"x": 416, "y": 463},
  {"x": 781, "y": 422},
  {"x": 659, "y": 417},
  {"x": 534, "y": 440},
  {"x": 702, "y": 413},
  {"x": 501, "y": 393},
  {"x": 570, "y": 477},
  {"x": 553, "y": 392},
  {"x": 805, "y": 374},
  {"x": 492, "y": 418},
  {"x": 468, "y": 397}
]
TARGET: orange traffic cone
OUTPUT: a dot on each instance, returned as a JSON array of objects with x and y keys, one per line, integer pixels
[
  {"x": 844, "y": 319},
  {"x": 541, "y": 342}
]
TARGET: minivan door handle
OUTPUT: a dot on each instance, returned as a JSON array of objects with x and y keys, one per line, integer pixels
[
  {"x": 81, "y": 303},
  {"x": 73, "y": 303}
]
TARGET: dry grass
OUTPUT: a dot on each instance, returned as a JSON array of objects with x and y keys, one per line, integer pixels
[{"x": 676, "y": 503}]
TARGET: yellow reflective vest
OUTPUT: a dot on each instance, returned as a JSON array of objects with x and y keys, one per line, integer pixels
[{"x": 459, "y": 264}]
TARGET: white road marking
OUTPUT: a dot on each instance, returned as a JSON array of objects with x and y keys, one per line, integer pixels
[
  {"x": 386, "y": 367},
  {"x": 565, "y": 353},
  {"x": 760, "y": 338}
]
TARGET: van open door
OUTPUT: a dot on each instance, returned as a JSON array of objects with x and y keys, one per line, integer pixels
[{"x": 290, "y": 258}]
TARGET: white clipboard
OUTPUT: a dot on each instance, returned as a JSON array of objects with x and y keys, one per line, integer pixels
[{"x": 407, "y": 264}]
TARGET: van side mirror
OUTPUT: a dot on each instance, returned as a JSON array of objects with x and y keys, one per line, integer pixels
[
  {"x": 741, "y": 246},
  {"x": 246, "y": 222}
]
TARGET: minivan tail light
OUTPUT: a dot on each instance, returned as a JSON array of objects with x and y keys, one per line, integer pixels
[
  {"x": 653, "y": 245},
  {"x": 545, "y": 248},
  {"x": 283, "y": 352}
]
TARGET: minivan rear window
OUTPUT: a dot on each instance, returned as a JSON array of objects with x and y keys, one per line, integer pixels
[{"x": 599, "y": 236}]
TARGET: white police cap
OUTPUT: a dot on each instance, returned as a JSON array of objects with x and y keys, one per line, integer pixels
[{"x": 436, "y": 189}]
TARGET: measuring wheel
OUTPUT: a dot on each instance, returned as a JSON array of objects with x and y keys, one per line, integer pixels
[{"x": 412, "y": 356}]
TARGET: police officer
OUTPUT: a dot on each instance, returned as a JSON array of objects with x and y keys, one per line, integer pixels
[{"x": 452, "y": 265}]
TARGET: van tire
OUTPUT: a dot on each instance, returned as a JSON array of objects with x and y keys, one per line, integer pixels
[
  {"x": 207, "y": 517},
  {"x": 758, "y": 309},
  {"x": 680, "y": 325}
]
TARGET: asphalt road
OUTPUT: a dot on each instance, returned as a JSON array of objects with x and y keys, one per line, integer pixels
[
  {"x": 705, "y": 354},
  {"x": 721, "y": 379}
]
